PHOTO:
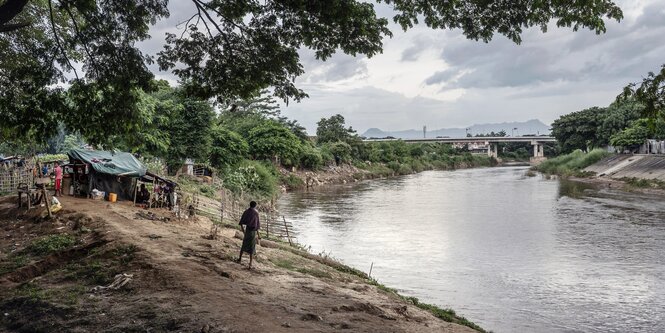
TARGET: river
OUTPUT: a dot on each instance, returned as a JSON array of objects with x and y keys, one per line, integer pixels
[{"x": 509, "y": 252}]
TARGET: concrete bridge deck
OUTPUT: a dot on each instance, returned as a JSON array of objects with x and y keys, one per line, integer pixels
[
  {"x": 491, "y": 142},
  {"x": 475, "y": 139}
]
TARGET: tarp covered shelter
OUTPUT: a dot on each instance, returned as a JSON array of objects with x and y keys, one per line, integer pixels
[{"x": 110, "y": 172}]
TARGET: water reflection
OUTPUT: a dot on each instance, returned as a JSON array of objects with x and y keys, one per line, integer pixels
[
  {"x": 513, "y": 253},
  {"x": 574, "y": 189}
]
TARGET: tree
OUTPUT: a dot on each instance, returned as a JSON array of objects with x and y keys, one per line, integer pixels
[
  {"x": 243, "y": 115},
  {"x": 72, "y": 141},
  {"x": 332, "y": 130},
  {"x": 650, "y": 93},
  {"x": 578, "y": 130},
  {"x": 228, "y": 148},
  {"x": 172, "y": 126},
  {"x": 270, "y": 140},
  {"x": 227, "y": 50},
  {"x": 500, "y": 133},
  {"x": 619, "y": 115},
  {"x": 631, "y": 137},
  {"x": 41, "y": 45},
  {"x": 339, "y": 150},
  {"x": 190, "y": 131},
  {"x": 638, "y": 132}
]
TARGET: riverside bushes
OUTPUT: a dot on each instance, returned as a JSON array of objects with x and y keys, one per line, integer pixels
[{"x": 571, "y": 164}]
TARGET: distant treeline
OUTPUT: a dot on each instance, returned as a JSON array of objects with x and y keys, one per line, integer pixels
[{"x": 622, "y": 124}]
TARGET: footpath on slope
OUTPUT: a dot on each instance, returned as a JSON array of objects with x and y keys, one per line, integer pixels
[{"x": 175, "y": 279}]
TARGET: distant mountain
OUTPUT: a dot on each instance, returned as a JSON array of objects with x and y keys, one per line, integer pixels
[{"x": 533, "y": 126}]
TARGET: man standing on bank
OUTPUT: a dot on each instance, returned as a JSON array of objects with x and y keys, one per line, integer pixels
[{"x": 249, "y": 219}]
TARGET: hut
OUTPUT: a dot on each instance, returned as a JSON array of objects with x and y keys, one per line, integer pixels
[{"x": 106, "y": 171}]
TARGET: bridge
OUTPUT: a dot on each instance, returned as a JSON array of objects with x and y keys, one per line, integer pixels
[{"x": 490, "y": 141}]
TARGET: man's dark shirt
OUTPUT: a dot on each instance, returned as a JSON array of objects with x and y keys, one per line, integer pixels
[{"x": 250, "y": 218}]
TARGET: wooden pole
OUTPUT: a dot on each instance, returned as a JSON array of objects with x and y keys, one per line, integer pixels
[
  {"x": 267, "y": 226},
  {"x": 48, "y": 204},
  {"x": 370, "y": 270},
  {"x": 136, "y": 189},
  {"x": 286, "y": 226}
]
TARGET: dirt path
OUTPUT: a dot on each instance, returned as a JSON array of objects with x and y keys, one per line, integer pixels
[{"x": 184, "y": 282}]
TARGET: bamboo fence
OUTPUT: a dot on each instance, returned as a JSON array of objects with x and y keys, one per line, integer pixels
[
  {"x": 12, "y": 176},
  {"x": 228, "y": 210}
]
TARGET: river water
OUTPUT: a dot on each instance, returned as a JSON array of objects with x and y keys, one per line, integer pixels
[{"x": 509, "y": 252}]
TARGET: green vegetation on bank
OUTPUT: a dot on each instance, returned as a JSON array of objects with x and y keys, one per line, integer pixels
[
  {"x": 623, "y": 124},
  {"x": 50, "y": 244},
  {"x": 571, "y": 164},
  {"x": 253, "y": 149},
  {"x": 644, "y": 183}
]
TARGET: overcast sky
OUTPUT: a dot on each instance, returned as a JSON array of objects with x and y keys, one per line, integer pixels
[{"x": 440, "y": 79}]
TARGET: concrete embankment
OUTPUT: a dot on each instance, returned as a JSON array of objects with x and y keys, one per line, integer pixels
[{"x": 630, "y": 166}]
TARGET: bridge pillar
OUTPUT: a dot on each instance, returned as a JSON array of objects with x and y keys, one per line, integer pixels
[
  {"x": 492, "y": 150},
  {"x": 538, "y": 149}
]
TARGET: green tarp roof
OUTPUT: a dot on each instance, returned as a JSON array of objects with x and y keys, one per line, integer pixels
[{"x": 112, "y": 163}]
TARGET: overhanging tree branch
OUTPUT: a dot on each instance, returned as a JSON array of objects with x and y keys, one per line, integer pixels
[
  {"x": 78, "y": 35},
  {"x": 57, "y": 39},
  {"x": 9, "y": 10}
]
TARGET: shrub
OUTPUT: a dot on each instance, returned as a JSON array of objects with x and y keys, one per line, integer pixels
[
  {"x": 570, "y": 164},
  {"x": 292, "y": 182},
  {"x": 394, "y": 166},
  {"x": 380, "y": 170},
  {"x": 405, "y": 169},
  {"x": 52, "y": 243},
  {"x": 341, "y": 150},
  {"x": 253, "y": 177},
  {"x": 311, "y": 158}
]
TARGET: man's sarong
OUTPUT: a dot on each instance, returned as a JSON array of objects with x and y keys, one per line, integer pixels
[{"x": 249, "y": 242}]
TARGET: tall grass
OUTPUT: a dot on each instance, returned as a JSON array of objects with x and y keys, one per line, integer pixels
[{"x": 571, "y": 164}]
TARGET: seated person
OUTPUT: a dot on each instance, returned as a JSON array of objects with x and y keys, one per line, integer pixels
[{"x": 142, "y": 196}]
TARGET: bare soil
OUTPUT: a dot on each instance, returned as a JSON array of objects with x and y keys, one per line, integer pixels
[{"x": 181, "y": 281}]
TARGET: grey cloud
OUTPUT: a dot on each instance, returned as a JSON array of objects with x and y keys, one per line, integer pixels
[
  {"x": 441, "y": 77},
  {"x": 420, "y": 45},
  {"x": 338, "y": 67},
  {"x": 412, "y": 53},
  {"x": 368, "y": 107},
  {"x": 364, "y": 108},
  {"x": 627, "y": 50},
  {"x": 653, "y": 15}
]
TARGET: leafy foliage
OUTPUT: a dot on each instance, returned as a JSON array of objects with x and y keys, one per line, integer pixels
[
  {"x": 332, "y": 130},
  {"x": 311, "y": 158},
  {"x": 638, "y": 133},
  {"x": 571, "y": 164},
  {"x": 52, "y": 243},
  {"x": 577, "y": 130},
  {"x": 172, "y": 127},
  {"x": 227, "y": 50},
  {"x": 479, "y": 20},
  {"x": 270, "y": 140},
  {"x": 650, "y": 93},
  {"x": 228, "y": 148},
  {"x": 99, "y": 35},
  {"x": 341, "y": 150},
  {"x": 251, "y": 176},
  {"x": 595, "y": 126}
]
